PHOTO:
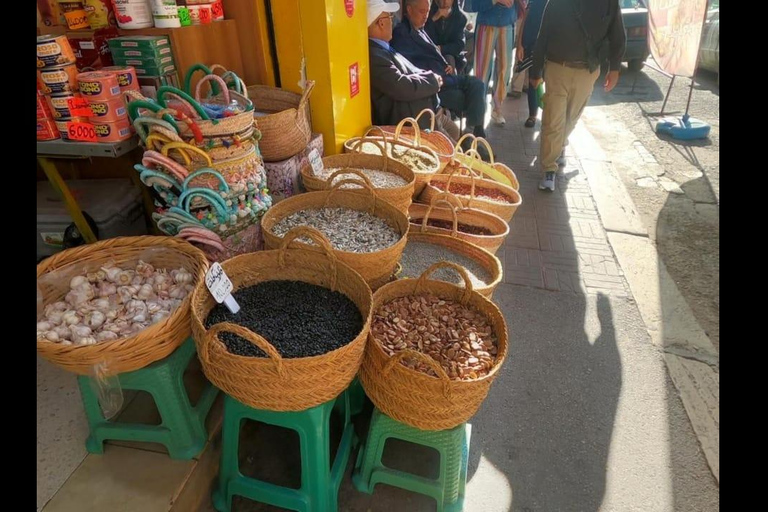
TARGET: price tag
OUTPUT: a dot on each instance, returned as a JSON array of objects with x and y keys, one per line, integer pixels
[
  {"x": 315, "y": 161},
  {"x": 79, "y": 107},
  {"x": 83, "y": 132},
  {"x": 221, "y": 287}
]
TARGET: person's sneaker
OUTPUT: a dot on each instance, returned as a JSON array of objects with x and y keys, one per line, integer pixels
[
  {"x": 561, "y": 161},
  {"x": 548, "y": 182},
  {"x": 497, "y": 118}
]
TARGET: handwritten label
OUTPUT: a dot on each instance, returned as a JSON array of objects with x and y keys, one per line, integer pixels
[
  {"x": 315, "y": 161},
  {"x": 83, "y": 132},
  {"x": 78, "y": 107},
  {"x": 220, "y": 286}
]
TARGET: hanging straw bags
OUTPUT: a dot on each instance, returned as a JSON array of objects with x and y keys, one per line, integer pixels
[{"x": 408, "y": 130}]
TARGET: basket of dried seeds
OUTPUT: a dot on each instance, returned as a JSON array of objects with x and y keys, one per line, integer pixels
[
  {"x": 366, "y": 233},
  {"x": 433, "y": 351}
]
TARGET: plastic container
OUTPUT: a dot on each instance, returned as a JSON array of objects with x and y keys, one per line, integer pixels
[
  {"x": 115, "y": 205},
  {"x": 165, "y": 13},
  {"x": 133, "y": 14}
]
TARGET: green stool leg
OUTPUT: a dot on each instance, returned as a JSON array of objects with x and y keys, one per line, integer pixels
[
  {"x": 452, "y": 445},
  {"x": 357, "y": 397},
  {"x": 182, "y": 430},
  {"x": 319, "y": 487}
]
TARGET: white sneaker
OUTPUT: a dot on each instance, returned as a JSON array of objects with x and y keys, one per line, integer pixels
[
  {"x": 497, "y": 118},
  {"x": 548, "y": 182}
]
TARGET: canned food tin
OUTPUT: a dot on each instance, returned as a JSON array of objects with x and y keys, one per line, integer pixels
[
  {"x": 47, "y": 130},
  {"x": 43, "y": 109},
  {"x": 126, "y": 77},
  {"x": 100, "y": 13},
  {"x": 59, "y": 79},
  {"x": 54, "y": 51},
  {"x": 113, "y": 132},
  {"x": 109, "y": 111},
  {"x": 98, "y": 85},
  {"x": 61, "y": 125},
  {"x": 59, "y": 104}
]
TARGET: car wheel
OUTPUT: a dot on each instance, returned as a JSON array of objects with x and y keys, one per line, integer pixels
[{"x": 635, "y": 65}]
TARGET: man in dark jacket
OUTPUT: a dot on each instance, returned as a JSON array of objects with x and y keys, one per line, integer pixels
[
  {"x": 460, "y": 93},
  {"x": 566, "y": 54},
  {"x": 398, "y": 88},
  {"x": 445, "y": 26}
]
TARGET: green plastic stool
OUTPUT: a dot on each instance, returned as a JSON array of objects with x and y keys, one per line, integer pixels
[
  {"x": 182, "y": 430},
  {"x": 357, "y": 397},
  {"x": 319, "y": 487},
  {"x": 452, "y": 445}
]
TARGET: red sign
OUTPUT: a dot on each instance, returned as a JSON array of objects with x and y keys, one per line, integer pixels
[
  {"x": 81, "y": 131},
  {"x": 349, "y": 6},
  {"x": 354, "y": 80},
  {"x": 206, "y": 15},
  {"x": 79, "y": 107}
]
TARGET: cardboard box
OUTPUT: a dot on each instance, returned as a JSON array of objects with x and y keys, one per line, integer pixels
[
  {"x": 141, "y": 53},
  {"x": 284, "y": 178},
  {"x": 150, "y": 84},
  {"x": 91, "y": 47},
  {"x": 152, "y": 71},
  {"x": 151, "y": 62},
  {"x": 143, "y": 42}
]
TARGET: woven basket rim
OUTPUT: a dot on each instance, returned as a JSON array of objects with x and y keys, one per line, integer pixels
[
  {"x": 306, "y": 170},
  {"x": 485, "y": 183},
  {"x": 495, "y": 219}
]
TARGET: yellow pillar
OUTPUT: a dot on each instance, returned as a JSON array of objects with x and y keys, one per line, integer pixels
[{"x": 318, "y": 40}]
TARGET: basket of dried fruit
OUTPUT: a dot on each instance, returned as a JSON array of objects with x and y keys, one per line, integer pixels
[
  {"x": 474, "y": 192},
  {"x": 493, "y": 170},
  {"x": 425, "y": 249},
  {"x": 392, "y": 181},
  {"x": 366, "y": 233},
  {"x": 432, "y": 139},
  {"x": 423, "y": 161},
  {"x": 477, "y": 227},
  {"x": 299, "y": 337},
  {"x": 122, "y": 302},
  {"x": 433, "y": 351}
]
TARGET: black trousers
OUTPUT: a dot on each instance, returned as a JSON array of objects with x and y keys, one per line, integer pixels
[{"x": 466, "y": 95}]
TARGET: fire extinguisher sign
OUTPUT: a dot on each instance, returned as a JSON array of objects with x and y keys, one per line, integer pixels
[{"x": 354, "y": 80}]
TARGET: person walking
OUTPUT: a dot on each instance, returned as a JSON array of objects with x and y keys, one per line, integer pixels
[
  {"x": 526, "y": 39},
  {"x": 566, "y": 57}
]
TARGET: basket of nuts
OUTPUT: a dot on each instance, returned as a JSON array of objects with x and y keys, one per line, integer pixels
[{"x": 433, "y": 351}]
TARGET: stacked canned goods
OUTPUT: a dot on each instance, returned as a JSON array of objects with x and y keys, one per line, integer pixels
[
  {"x": 104, "y": 92},
  {"x": 56, "y": 82}
]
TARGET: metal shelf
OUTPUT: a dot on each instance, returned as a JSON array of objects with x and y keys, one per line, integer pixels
[{"x": 61, "y": 147}]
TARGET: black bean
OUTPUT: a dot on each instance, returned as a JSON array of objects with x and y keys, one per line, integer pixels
[{"x": 299, "y": 319}]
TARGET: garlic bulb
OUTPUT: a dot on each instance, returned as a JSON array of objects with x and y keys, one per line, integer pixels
[
  {"x": 177, "y": 292},
  {"x": 44, "y": 326},
  {"x": 145, "y": 292},
  {"x": 125, "y": 277},
  {"x": 52, "y": 336},
  {"x": 101, "y": 304},
  {"x": 106, "y": 336},
  {"x": 54, "y": 317},
  {"x": 77, "y": 282},
  {"x": 144, "y": 269},
  {"x": 182, "y": 277},
  {"x": 126, "y": 293},
  {"x": 106, "y": 289},
  {"x": 112, "y": 273},
  {"x": 86, "y": 340},
  {"x": 95, "y": 319},
  {"x": 160, "y": 315},
  {"x": 137, "y": 280},
  {"x": 63, "y": 331},
  {"x": 70, "y": 317}
]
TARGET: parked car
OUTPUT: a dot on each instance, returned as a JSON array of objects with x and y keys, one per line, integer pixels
[
  {"x": 709, "y": 50},
  {"x": 634, "y": 13}
]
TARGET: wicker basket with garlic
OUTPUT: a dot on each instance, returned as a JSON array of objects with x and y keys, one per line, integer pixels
[{"x": 122, "y": 302}]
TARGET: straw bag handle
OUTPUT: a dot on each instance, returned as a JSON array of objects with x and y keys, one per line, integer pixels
[
  {"x": 239, "y": 84},
  {"x": 431, "y": 115},
  {"x": 472, "y": 177},
  {"x": 487, "y": 146},
  {"x": 174, "y": 168},
  {"x": 414, "y": 125},
  {"x": 336, "y": 186},
  {"x": 206, "y": 170},
  {"x": 383, "y": 147},
  {"x": 183, "y": 147},
  {"x": 317, "y": 237},
  {"x": 214, "y": 199},
  {"x": 159, "y": 138},
  {"x": 421, "y": 281},
  {"x": 305, "y": 97},
  {"x": 143, "y": 132},
  {"x": 191, "y": 71},
  {"x": 167, "y": 89},
  {"x": 252, "y": 337},
  {"x": 435, "y": 201},
  {"x": 356, "y": 172},
  {"x": 213, "y": 78},
  {"x": 134, "y": 106},
  {"x": 397, "y": 358},
  {"x": 450, "y": 198}
]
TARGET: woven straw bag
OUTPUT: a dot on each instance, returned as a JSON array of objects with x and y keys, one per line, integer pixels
[
  {"x": 399, "y": 151},
  {"x": 286, "y": 129},
  {"x": 415, "y": 398},
  {"x": 443, "y": 182},
  {"x": 420, "y": 214},
  {"x": 408, "y": 130},
  {"x": 375, "y": 267},
  {"x": 485, "y": 259},
  {"x": 151, "y": 344},
  {"x": 496, "y": 171},
  {"x": 275, "y": 383},
  {"x": 351, "y": 163}
]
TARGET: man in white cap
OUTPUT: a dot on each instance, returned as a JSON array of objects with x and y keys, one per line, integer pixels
[{"x": 398, "y": 88}]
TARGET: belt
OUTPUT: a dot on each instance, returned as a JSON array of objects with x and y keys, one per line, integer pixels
[{"x": 570, "y": 64}]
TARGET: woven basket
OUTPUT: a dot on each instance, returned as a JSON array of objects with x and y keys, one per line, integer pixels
[
  {"x": 413, "y": 397},
  {"x": 274, "y": 383},
  {"x": 356, "y": 144},
  {"x": 400, "y": 197},
  {"x": 496, "y": 171},
  {"x": 434, "y": 140},
  {"x": 503, "y": 210},
  {"x": 153, "y": 343},
  {"x": 456, "y": 213},
  {"x": 482, "y": 257},
  {"x": 287, "y": 130},
  {"x": 375, "y": 267}
]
